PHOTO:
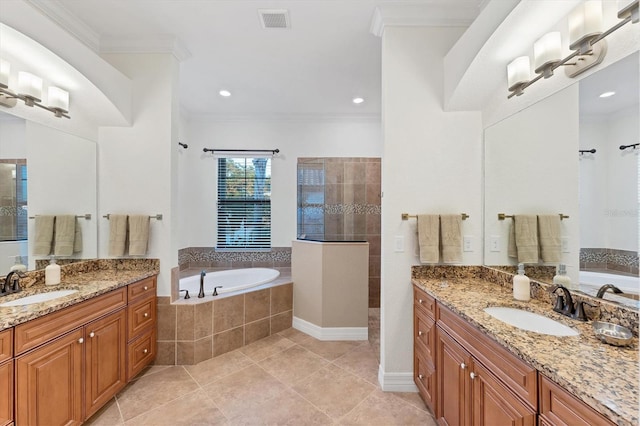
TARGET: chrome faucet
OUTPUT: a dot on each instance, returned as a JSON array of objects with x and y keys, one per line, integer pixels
[
  {"x": 606, "y": 287},
  {"x": 12, "y": 282},
  {"x": 564, "y": 303},
  {"x": 202, "y": 275}
]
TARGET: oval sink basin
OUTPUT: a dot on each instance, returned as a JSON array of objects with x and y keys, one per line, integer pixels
[
  {"x": 38, "y": 298},
  {"x": 530, "y": 321}
]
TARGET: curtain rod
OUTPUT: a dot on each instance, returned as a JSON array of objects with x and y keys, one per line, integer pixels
[{"x": 273, "y": 151}]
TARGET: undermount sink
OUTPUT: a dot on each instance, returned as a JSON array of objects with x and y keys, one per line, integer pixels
[
  {"x": 38, "y": 298},
  {"x": 530, "y": 321}
]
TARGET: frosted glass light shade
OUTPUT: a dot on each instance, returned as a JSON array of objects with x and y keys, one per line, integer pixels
[
  {"x": 58, "y": 99},
  {"x": 585, "y": 21},
  {"x": 547, "y": 50},
  {"x": 5, "y": 69},
  {"x": 30, "y": 86},
  {"x": 518, "y": 72}
]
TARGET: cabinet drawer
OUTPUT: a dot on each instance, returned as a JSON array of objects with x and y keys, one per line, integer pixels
[
  {"x": 140, "y": 353},
  {"x": 6, "y": 344},
  {"x": 424, "y": 335},
  {"x": 425, "y": 379},
  {"x": 423, "y": 302},
  {"x": 142, "y": 289},
  {"x": 559, "y": 407},
  {"x": 40, "y": 330},
  {"x": 140, "y": 315},
  {"x": 515, "y": 373}
]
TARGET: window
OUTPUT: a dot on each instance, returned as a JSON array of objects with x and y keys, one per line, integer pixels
[
  {"x": 13, "y": 200},
  {"x": 244, "y": 203}
]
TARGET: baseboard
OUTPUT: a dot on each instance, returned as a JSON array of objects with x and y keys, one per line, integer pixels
[
  {"x": 396, "y": 382},
  {"x": 331, "y": 333}
]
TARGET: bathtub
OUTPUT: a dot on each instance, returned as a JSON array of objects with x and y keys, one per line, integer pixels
[
  {"x": 596, "y": 279},
  {"x": 231, "y": 280}
]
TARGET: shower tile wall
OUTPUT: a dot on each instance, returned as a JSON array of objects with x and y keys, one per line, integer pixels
[
  {"x": 339, "y": 199},
  {"x": 609, "y": 259}
]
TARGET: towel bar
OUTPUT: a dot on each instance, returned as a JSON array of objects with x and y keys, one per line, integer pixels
[
  {"x": 83, "y": 216},
  {"x": 406, "y": 216},
  {"x": 502, "y": 216},
  {"x": 157, "y": 217}
]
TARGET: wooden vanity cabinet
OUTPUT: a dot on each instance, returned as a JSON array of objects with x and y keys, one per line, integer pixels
[
  {"x": 6, "y": 377},
  {"x": 424, "y": 344},
  {"x": 141, "y": 326}
]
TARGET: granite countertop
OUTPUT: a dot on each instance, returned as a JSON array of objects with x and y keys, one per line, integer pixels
[
  {"x": 605, "y": 377},
  {"x": 89, "y": 284}
]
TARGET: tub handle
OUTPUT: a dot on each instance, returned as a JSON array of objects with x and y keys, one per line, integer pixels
[
  {"x": 186, "y": 295},
  {"x": 215, "y": 290}
]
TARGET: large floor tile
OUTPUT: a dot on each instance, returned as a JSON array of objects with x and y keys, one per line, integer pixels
[
  {"x": 331, "y": 349},
  {"x": 287, "y": 408},
  {"x": 154, "y": 390},
  {"x": 244, "y": 390},
  {"x": 294, "y": 335},
  {"x": 109, "y": 415},
  {"x": 386, "y": 409},
  {"x": 194, "y": 408},
  {"x": 293, "y": 365},
  {"x": 361, "y": 361},
  {"x": 218, "y": 367},
  {"x": 334, "y": 390},
  {"x": 266, "y": 347}
]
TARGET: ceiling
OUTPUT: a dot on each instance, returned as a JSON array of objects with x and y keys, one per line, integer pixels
[{"x": 316, "y": 67}]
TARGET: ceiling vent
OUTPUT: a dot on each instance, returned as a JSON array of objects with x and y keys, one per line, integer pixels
[{"x": 274, "y": 18}]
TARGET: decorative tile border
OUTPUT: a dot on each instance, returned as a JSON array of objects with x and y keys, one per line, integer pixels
[
  {"x": 609, "y": 257},
  {"x": 209, "y": 256}
]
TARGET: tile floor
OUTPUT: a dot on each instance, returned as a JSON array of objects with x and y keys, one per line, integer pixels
[{"x": 287, "y": 378}]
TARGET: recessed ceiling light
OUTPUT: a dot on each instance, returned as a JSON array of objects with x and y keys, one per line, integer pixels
[
  {"x": 607, "y": 94},
  {"x": 225, "y": 93},
  {"x": 358, "y": 100}
]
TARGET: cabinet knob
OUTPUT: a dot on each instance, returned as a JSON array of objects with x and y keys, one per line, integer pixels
[
  {"x": 145, "y": 287},
  {"x": 146, "y": 314},
  {"x": 420, "y": 301},
  {"x": 472, "y": 375},
  {"x": 92, "y": 334},
  {"x": 420, "y": 376},
  {"x": 420, "y": 333},
  {"x": 463, "y": 365},
  {"x": 145, "y": 351},
  {"x": 81, "y": 340}
]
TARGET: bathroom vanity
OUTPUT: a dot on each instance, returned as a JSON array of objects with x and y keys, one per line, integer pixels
[
  {"x": 62, "y": 360},
  {"x": 471, "y": 368}
]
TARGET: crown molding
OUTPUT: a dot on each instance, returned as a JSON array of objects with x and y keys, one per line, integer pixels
[
  {"x": 68, "y": 21},
  {"x": 161, "y": 43},
  {"x": 418, "y": 14}
]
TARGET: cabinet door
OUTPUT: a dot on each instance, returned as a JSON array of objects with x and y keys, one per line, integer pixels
[
  {"x": 105, "y": 356},
  {"x": 49, "y": 383},
  {"x": 494, "y": 404},
  {"x": 452, "y": 370},
  {"x": 6, "y": 393}
]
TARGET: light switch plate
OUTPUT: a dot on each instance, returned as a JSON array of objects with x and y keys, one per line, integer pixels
[
  {"x": 467, "y": 243},
  {"x": 399, "y": 244},
  {"x": 565, "y": 244},
  {"x": 494, "y": 243}
]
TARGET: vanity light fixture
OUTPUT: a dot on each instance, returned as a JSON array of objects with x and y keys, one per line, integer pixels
[
  {"x": 30, "y": 92},
  {"x": 586, "y": 40}
]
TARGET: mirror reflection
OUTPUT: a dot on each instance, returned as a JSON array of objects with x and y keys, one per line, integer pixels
[
  {"x": 540, "y": 161},
  {"x": 61, "y": 179}
]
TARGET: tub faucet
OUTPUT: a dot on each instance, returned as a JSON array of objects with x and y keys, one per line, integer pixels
[
  {"x": 606, "y": 287},
  {"x": 202, "y": 275}
]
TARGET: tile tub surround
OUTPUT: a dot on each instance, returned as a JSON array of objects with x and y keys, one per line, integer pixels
[
  {"x": 604, "y": 377},
  {"x": 91, "y": 279},
  {"x": 208, "y": 257},
  {"x": 614, "y": 260},
  {"x": 191, "y": 331}
]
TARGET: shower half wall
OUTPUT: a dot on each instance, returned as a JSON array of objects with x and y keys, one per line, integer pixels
[{"x": 339, "y": 200}]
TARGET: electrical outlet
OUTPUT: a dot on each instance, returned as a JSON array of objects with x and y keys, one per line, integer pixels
[
  {"x": 494, "y": 243},
  {"x": 565, "y": 244},
  {"x": 467, "y": 243},
  {"x": 399, "y": 244}
]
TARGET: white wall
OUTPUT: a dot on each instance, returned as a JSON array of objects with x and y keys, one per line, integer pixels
[
  {"x": 136, "y": 164},
  {"x": 432, "y": 162},
  {"x": 608, "y": 181},
  {"x": 294, "y": 138},
  {"x": 531, "y": 167}
]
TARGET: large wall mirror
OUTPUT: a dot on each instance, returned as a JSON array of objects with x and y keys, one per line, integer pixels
[
  {"x": 539, "y": 161},
  {"x": 44, "y": 171}
]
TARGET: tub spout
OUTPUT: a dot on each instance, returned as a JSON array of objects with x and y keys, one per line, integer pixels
[{"x": 202, "y": 275}]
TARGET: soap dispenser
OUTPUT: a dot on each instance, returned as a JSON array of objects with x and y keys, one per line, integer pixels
[
  {"x": 561, "y": 277},
  {"x": 521, "y": 285},
  {"x": 18, "y": 265},
  {"x": 52, "y": 272}
]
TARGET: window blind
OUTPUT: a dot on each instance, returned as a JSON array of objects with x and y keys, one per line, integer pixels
[{"x": 244, "y": 203}]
